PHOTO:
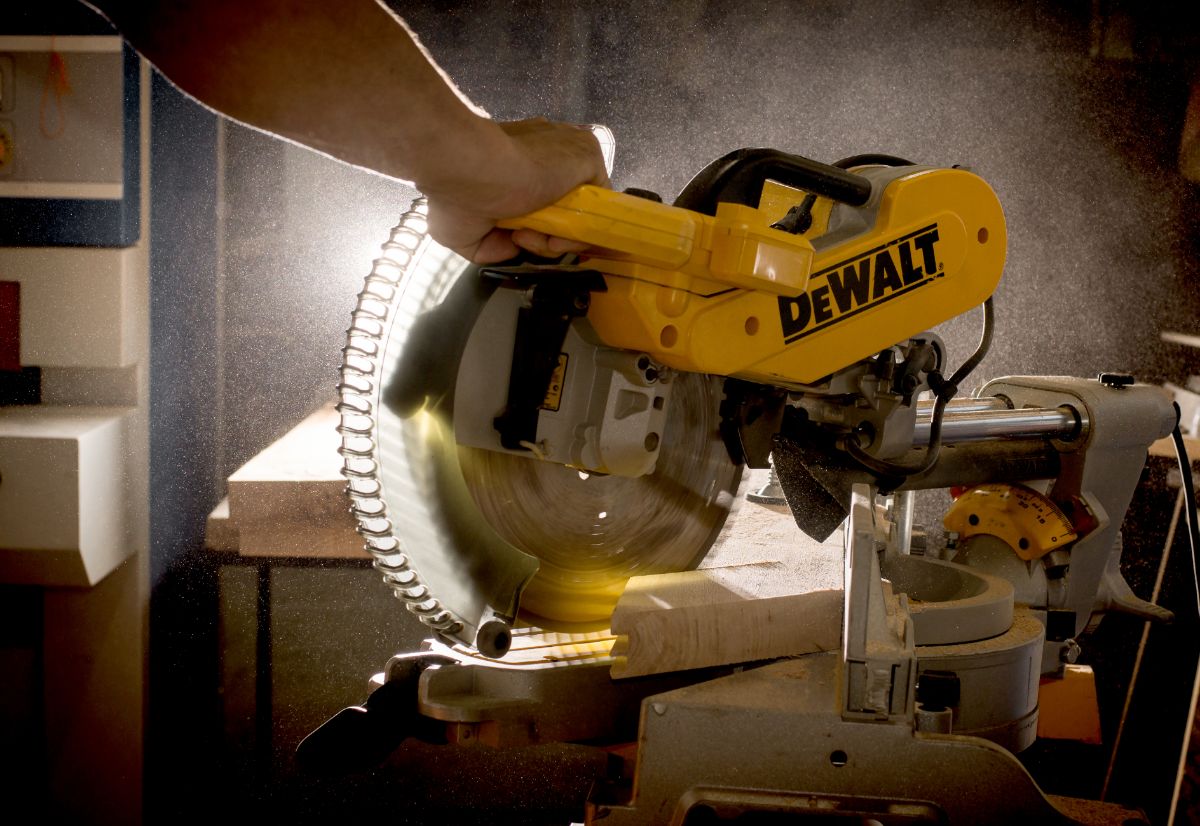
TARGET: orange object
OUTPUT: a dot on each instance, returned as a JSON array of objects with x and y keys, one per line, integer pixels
[
  {"x": 56, "y": 87},
  {"x": 1067, "y": 706}
]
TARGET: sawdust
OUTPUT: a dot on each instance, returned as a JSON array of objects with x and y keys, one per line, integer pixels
[{"x": 768, "y": 533}]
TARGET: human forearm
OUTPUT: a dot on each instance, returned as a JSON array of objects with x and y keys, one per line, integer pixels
[
  {"x": 348, "y": 79},
  {"x": 344, "y": 78}
]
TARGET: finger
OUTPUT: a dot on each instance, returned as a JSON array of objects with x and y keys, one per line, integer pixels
[
  {"x": 561, "y": 246},
  {"x": 536, "y": 242},
  {"x": 546, "y": 246},
  {"x": 493, "y": 248}
]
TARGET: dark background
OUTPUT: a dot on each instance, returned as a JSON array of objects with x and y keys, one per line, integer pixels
[{"x": 1071, "y": 110}]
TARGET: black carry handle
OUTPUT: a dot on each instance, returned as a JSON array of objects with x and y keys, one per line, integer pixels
[{"x": 739, "y": 177}]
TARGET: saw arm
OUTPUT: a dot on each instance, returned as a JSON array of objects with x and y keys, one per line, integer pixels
[
  {"x": 524, "y": 438},
  {"x": 730, "y": 294}
]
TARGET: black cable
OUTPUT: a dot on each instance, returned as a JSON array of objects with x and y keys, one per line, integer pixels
[
  {"x": 944, "y": 390},
  {"x": 1189, "y": 496}
]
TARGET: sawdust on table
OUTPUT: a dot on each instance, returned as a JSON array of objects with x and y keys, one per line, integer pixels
[{"x": 768, "y": 533}]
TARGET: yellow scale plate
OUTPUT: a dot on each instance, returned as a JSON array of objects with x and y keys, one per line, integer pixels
[{"x": 1029, "y": 522}]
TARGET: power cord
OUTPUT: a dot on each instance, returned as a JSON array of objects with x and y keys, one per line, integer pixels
[
  {"x": 1189, "y": 496},
  {"x": 944, "y": 390}
]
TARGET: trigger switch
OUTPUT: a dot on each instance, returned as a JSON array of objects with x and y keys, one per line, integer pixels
[{"x": 643, "y": 193}]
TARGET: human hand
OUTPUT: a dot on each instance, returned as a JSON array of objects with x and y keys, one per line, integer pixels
[{"x": 516, "y": 168}]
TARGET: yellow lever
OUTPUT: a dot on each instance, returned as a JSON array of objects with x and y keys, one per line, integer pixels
[{"x": 737, "y": 246}]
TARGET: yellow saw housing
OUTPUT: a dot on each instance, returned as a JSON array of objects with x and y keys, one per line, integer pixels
[
  {"x": 773, "y": 269},
  {"x": 729, "y": 295}
]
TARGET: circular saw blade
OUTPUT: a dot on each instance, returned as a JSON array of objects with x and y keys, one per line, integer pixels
[
  {"x": 467, "y": 534},
  {"x": 590, "y": 533}
]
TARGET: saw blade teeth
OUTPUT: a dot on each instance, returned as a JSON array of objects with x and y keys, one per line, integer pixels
[
  {"x": 356, "y": 388},
  {"x": 465, "y": 534},
  {"x": 402, "y": 578},
  {"x": 387, "y": 551}
]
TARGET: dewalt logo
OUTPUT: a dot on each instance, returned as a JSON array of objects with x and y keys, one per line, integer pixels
[{"x": 860, "y": 283}]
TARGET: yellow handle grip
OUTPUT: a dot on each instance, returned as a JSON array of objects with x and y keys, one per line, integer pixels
[
  {"x": 736, "y": 246},
  {"x": 647, "y": 231}
]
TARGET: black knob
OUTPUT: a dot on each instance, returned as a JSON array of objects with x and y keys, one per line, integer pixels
[{"x": 1115, "y": 379}]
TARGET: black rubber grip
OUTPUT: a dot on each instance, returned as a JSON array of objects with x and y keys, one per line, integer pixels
[{"x": 739, "y": 177}]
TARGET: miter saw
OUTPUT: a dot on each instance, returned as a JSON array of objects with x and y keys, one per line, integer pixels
[{"x": 520, "y": 440}]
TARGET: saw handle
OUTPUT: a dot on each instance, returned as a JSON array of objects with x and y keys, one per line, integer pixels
[
  {"x": 739, "y": 178},
  {"x": 646, "y": 230}
]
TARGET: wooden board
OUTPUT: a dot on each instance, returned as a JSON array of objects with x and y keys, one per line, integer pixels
[
  {"x": 289, "y": 500},
  {"x": 1166, "y": 447},
  {"x": 78, "y": 304},
  {"x": 220, "y": 534},
  {"x": 721, "y": 616},
  {"x": 765, "y": 590},
  {"x": 1180, "y": 338}
]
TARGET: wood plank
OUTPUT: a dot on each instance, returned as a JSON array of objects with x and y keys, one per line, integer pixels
[
  {"x": 764, "y": 590},
  {"x": 78, "y": 304},
  {"x": 297, "y": 540},
  {"x": 294, "y": 476},
  {"x": 1165, "y": 447},
  {"x": 289, "y": 500},
  {"x": 1180, "y": 338},
  {"x": 220, "y": 534},
  {"x": 721, "y": 616}
]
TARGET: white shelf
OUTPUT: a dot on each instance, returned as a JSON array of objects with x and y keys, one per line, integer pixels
[{"x": 63, "y": 519}]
